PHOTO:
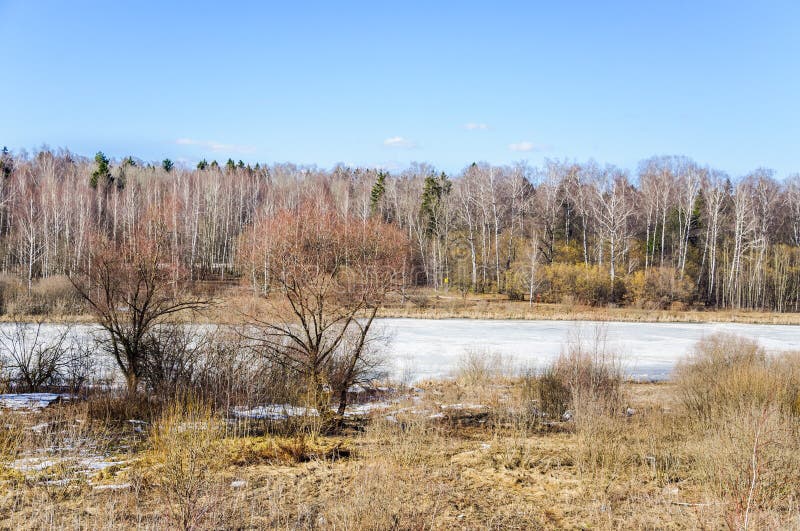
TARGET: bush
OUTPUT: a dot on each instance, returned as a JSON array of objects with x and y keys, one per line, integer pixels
[
  {"x": 584, "y": 385},
  {"x": 11, "y": 288},
  {"x": 185, "y": 456},
  {"x": 54, "y": 295},
  {"x": 57, "y": 295},
  {"x": 172, "y": 354},
  {"x": 747, "y": 404},
  {"x": 479, "y": 367},
  {"x": 32, "y": 360},
  {"x": 230, "y": 373},
  {"x": 585, "y": 380},
  {"x": 590, "y": 285},
  {"x": 660, "y": 287},
  {"x": 754, "y": 466},
  {"x": 730, "y": 374}
]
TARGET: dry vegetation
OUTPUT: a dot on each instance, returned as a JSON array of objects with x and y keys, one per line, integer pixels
[
  {"x": 572, "y": 446},
  {"x": 430, "y": 304}
]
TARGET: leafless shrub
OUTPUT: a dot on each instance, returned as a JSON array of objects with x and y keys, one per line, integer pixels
[
  {"x": 56, "y": 295},
  {"x": 745, "y": 403},
  {"x": 358, "y": 362},
  {"x": 35, "y": 356},
  {"x": 79, "y": 369},
  {"x": 171, "y": 357},
  {"x": 230, "y": 373},
  {"x": 184, "y": 456},
  {"x": 754, "y": 466},
  {"x": 587, "y": 378},
  {"x": 478, "y": 367},
  {"x": 726, "y": 373}
]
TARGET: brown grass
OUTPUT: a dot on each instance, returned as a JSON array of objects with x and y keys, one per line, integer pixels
[
  {"x": 229, "y": 305},
  {"x": 450, "y": 305},
  {"x": 470, "y": 453}
]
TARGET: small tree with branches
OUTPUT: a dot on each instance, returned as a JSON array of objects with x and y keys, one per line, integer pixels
[
  {"x": 132, "y": 289},
  {"x": 330, "y": 277}
]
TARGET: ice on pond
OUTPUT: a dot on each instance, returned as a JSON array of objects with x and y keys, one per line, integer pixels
[{"x": 423, "y": 349}]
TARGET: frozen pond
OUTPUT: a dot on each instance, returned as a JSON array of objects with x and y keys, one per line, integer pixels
[
  {"x": 420, "y": 349},
  {"x": 426, "y": 348}
]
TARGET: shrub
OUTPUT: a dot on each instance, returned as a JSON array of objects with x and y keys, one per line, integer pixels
[
  {"x": 478, "y": 367},
  {"x": 726, "y": 373},
  {"x": 659, "y": 287},
  {"x": 11, "y": 287},
  {"x": 585, "y": 385},
  {"x": 591, "y": 285},
  {"x": 586, "y": 379},
  {"x": 33, "y": 360},
  {"x": 746, "y": 403},
  {"x": 754, "y": 466},
  {"x": 186, "y": 446},
  {"x": 229, "y": 373},
  {"x": 56, "y": 295}
]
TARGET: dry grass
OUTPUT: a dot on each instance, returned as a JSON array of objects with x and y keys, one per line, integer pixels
[
  {"x": 470, "y": 453},
  {"x": 230, "y": 305},
  {"x": 430, "y": 304}
]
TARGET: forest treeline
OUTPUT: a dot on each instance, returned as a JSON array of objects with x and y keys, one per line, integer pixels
[{"x": 674, "y": 233}]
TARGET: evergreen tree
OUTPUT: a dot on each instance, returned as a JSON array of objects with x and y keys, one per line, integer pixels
[
  {"x": 6, "y": 163},
  {"x": 202, "y": 165},
  {"x": 230, "y": 166},
  {"x": 434, "y": 189},
  {"x": 378, "y": 191},
  {"x": 167, "y": 165},
  {"x": 214, "y": 165},
  {"x": 103, "y": 171},
  {"x": 122, "y": 178}
]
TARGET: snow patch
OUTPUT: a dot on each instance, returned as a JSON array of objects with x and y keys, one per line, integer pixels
[
  {"x": 112, "y": 486},
  {"x": 31, "y": 401},
  {"x": 274, "y": 412}
]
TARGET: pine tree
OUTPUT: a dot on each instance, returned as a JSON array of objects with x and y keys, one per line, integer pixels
[
  {"x": 230, "y": 166},
  {"x": 6, "y": 163},
  {"x": 167, "y": 165},
  {"x": 102, "y": 171},
  {"x": 433, "y": 190},
  {"x": 378, "y": 191},
  {"x": 202, "y": 165}
]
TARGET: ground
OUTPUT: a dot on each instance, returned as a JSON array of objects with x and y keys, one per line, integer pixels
[{"x": 444, "y": 455}]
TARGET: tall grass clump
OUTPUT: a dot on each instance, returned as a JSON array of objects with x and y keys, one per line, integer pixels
[
  {"x": 586, "y": 379},
  {"x": 726, "y": 374},
  {"x": 744, "y": 403},
  {"x": 184, "y": 461},
  {"x": 584, "y": 385},
  {"x": 479, "y": 367}
]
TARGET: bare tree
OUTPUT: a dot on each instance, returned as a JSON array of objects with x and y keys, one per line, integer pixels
[
  {"x": 130, "y": 290},
  {"x": 36, "y": 355},
  {"x": 613, "y": 206},
  {"x": 330, "y": 279}
]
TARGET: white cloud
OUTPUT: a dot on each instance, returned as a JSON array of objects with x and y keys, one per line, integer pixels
[
  {"x": 523, "y": 146},
  {"x": 216, "y": 147},
  {"x": 476, "y": 127},
  {"x": 399, "y": 142}
]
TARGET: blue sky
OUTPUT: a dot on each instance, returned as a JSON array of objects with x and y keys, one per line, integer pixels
[{"x": 383, "y": 84}]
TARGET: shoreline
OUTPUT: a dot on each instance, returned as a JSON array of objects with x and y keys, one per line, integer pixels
[
  {"x": 490, "y": 308},
  {"x": 621, "y": 315}
]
